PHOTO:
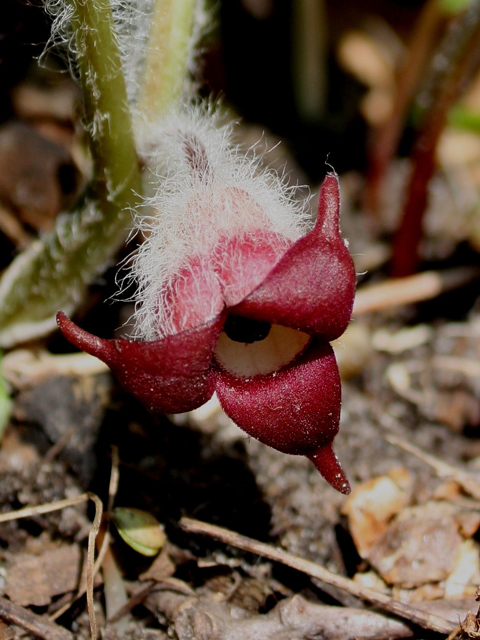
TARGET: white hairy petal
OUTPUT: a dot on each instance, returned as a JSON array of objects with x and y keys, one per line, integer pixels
[{"x": 206, "y": 196}]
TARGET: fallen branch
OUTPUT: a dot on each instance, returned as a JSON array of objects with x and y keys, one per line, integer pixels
[
  {"x": 293, "y": 617},
  {"x": 379, "y": 600}
]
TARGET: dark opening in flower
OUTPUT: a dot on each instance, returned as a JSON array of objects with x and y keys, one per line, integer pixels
[{"x": 246, "y": 330}]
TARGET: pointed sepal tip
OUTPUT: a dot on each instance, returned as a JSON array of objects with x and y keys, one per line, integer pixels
[{"x": 326, "y": 462}]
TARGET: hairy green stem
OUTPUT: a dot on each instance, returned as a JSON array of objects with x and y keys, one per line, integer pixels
[
  {"x": 106, "y": 105},
  {"x": 53, "y": 272},
  {"x": 6, "y": 403}
]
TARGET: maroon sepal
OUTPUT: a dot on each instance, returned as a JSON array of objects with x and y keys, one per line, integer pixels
[
  {"x": 171, "y": 375},
  {"x": 295, "y": 410},
  {"x": 326, "y": 462},
  {"x": 312, "y": 287}
]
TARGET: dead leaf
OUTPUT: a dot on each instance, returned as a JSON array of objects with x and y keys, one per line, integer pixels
[
  {"x": 161, "y": 568},
  {"x": 466, "y": 571},
  {"x": 421, "y": 545},
  {"x": 36, "y": 579},
  {"x": 372, "y": 505},
  {"x": 37, "y": 177}
]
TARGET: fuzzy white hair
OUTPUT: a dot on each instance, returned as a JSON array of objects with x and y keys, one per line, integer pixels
[{"x": 204, "y": 189}]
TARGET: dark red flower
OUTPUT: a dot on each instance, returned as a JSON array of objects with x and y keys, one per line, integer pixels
[{"x": 267, "y": 355}]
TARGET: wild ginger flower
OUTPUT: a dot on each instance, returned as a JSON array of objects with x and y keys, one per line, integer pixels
[{"x": 234, "y": 297}]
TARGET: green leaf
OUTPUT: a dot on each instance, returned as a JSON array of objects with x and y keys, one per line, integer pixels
[{"x": 140, "y": 530}]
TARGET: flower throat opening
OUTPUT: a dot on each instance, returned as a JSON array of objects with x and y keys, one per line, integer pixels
[{"x": 246, "y": 330}]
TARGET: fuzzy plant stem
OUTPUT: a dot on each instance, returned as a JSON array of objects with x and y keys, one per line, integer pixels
[
  {"x": 53, "y": 272},
  {"x": 106, "y": 109},
  {"x": 451, "y": 81}
]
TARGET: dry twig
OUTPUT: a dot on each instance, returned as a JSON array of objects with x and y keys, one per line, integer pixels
[
  {"x": 62, "y": 504},
  {"x": 13, "y": 228},
  {"x": 30, "y": 512},
  {"x": 93, "y": 568},
  {"x": 40, "y": 626},
  {"x": 379, "y": 600},
  {"x": 469, "y": 482},
  {"x": 417, "y": 288}
]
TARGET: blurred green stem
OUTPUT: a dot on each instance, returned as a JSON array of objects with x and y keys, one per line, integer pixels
[
  {"x": 6, "y": 403},
  {"x": 309, "y": 64},
  {"x": 454, "y": 6},
  {"x": 168, "y": 54}
]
